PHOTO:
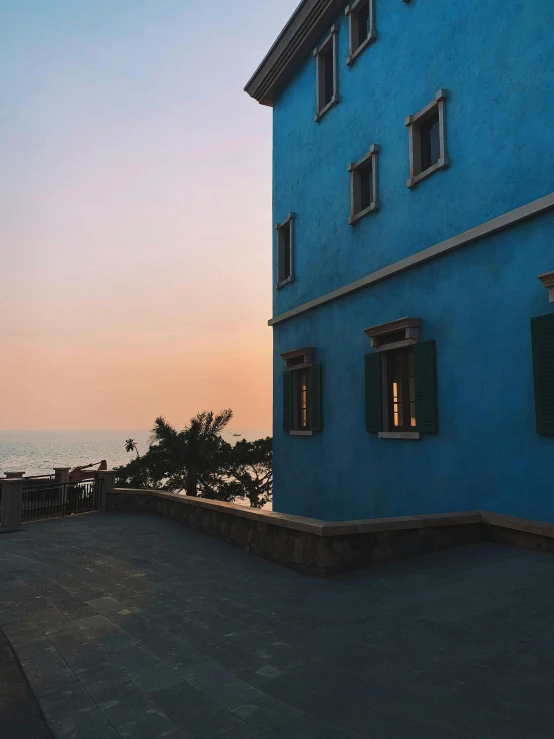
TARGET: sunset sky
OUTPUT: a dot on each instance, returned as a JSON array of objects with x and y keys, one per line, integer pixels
[{"x": 135, "y": 212}]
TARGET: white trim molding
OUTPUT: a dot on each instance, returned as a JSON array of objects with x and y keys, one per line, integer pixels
[
  {"x": 293, "y": 45},
  {"x": 404, "y": 330},
  {"x": 414, "y": 435},
  {"x": 355, "y": 169},
  {"x": 547, "y": 280},
  {"x": 330, "y": 44},
  {"x": 352, "y": 11},
  {"x": 281, "y": 267},
  {"x": 299, "y": 359},
  {"x": 489, "y": 228},
  {"x": 414, "y": 124}
]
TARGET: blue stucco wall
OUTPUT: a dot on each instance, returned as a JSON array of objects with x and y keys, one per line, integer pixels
[
  {"x": 477, "y": 304},
  {"x": 497, "y": 65}
]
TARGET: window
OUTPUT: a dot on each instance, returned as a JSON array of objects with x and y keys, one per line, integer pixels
[
  {"x": 361, "y": 17},
  {"x": 302, "y": 381},
  {"x": 326, "y": 74},
  {"x": 401, "y": 389},
  {"x": 301, "y": 393},
  {"x": 363, "y": 185},
  {"x": 542, "y": 336},
  {"x": 285, "y": 234},
  {"x": 547, "y": 279},
  {"x": 427, "y": 136},
  {"x": 400, "y": 382}
]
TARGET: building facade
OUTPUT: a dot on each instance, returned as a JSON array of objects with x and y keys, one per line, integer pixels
[{"x": 413, "y": 205}]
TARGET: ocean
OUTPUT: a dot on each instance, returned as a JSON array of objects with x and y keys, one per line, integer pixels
[{"x": 38, "y": 452}]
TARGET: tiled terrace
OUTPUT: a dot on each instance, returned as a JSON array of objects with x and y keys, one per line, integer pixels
[{"x": 133, "y": 626}]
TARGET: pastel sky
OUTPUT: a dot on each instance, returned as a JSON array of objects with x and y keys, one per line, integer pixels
[{"x": 135, "y": 212}]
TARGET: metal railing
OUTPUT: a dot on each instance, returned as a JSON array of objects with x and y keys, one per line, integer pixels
[
  {"x": 56, "y": 499},
  {"x": 35, "y": 481}
]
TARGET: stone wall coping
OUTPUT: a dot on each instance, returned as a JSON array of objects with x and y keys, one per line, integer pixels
[
  {"x": 320, "y": 527},
  {"x": 314, "y": 525},
  {"x": 520, "y": 524}
]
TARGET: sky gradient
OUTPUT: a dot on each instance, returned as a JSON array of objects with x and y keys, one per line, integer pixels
[{"x": 135, "y": 212}]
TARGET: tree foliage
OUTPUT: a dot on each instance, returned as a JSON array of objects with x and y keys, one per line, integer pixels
[{"x": 199, "y": 462}]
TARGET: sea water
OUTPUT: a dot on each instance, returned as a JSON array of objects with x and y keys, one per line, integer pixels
[{"x": 38, "y": 452}]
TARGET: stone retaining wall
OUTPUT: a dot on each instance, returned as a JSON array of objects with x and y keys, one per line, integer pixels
[
  {"x": 324, "y": 548},
  {"x": 310, "y": 546}
]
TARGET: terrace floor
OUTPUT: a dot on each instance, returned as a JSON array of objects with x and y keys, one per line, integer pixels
[{"x": 132, "y": 626}]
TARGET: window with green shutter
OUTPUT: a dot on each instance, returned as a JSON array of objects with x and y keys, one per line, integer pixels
[
  {"x": 400, "y": 381},
  {"x": 373, "y": 394},
  {"x": 425, "y": 372},
  {"x": 287, "y": 402},
  {"x": 542, "y": 335},
  {"x": 315, "y": 415},
  {"x": 302, "y": 396}
]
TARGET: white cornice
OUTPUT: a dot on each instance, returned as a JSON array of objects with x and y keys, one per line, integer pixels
[
  {"x": 512, "y": 218},
  {"x": 293, "y": 46}
]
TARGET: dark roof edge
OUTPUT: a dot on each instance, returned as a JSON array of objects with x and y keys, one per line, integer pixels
[{"x": 295, "y": 42}]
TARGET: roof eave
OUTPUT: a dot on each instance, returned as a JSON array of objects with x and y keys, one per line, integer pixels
[{"x": 293, "y": 45}]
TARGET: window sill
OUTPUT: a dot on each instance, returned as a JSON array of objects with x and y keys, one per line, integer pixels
[
  {"x": 413, "y": 181},
  {"x": 284, "y": 282},
  {"x": 366, "y": 211},
  {"x": 319, "y": 115},
  {"x": 301, "y": 433},
  {"x": 351, "y": 58},
  {"x": 413, "y": 435}
]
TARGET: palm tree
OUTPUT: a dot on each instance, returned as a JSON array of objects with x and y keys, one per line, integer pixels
[
  {"x": 131, "y": 446},
  {"x": 192, "y": 458}
]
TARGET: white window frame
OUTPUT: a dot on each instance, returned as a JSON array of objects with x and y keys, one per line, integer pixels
[
  {"x": 329, "y": 43},
  {"x": 355, "y": 168},
  {"x": 298, "y": 359},
  {"x": 409, "y": 327},
  {"x": 287, "y": 223},
  {"x": 351, "y": 11},
  {"x": 413, "y": 123},
  {"x": 547, "y": 279}
]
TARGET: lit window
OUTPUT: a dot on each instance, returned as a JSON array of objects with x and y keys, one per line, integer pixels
[
  {"x": 401, "y": 389},
  {"x": 301, "y": 381},
  {"x": 301, "y": 393},
  {"x": 400, "y": 381}
]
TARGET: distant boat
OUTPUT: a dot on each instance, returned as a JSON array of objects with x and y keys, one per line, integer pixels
[{"x": 237, "y": 434}]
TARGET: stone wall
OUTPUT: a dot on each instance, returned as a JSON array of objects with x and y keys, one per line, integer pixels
[{"x": 314, "y": 547}]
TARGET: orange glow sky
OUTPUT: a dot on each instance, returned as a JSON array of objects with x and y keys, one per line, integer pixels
[{"x": 135, "y": 212}]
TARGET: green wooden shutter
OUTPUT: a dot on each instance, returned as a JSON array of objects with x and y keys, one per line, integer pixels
[
  {"x": 315, "y": 398},
  {"x": 373, "y": 394},
  {"x": 287, "y": 401},
  {"x": 425, "y": 371},
  {"x": 542, "y": 335}
]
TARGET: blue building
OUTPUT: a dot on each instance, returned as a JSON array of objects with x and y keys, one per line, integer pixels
[{"x": 413, "y": 204}]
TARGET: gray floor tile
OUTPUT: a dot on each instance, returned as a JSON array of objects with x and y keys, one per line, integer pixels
[
  {"x": 173, "y": 633},
  {"x": 207, "y": 722}
]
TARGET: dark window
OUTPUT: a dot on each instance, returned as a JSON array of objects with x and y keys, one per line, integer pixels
[
  {"x": 284, "y": 249},
  {"x": 302, "y": 399},
  {"x": 328, "y": 71},
  {"x": 362, "y": 26},
  {"x": 430, "y": 141},
  {"x": 401, "y": 389},
  {"x": 366, "y": 186}
]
